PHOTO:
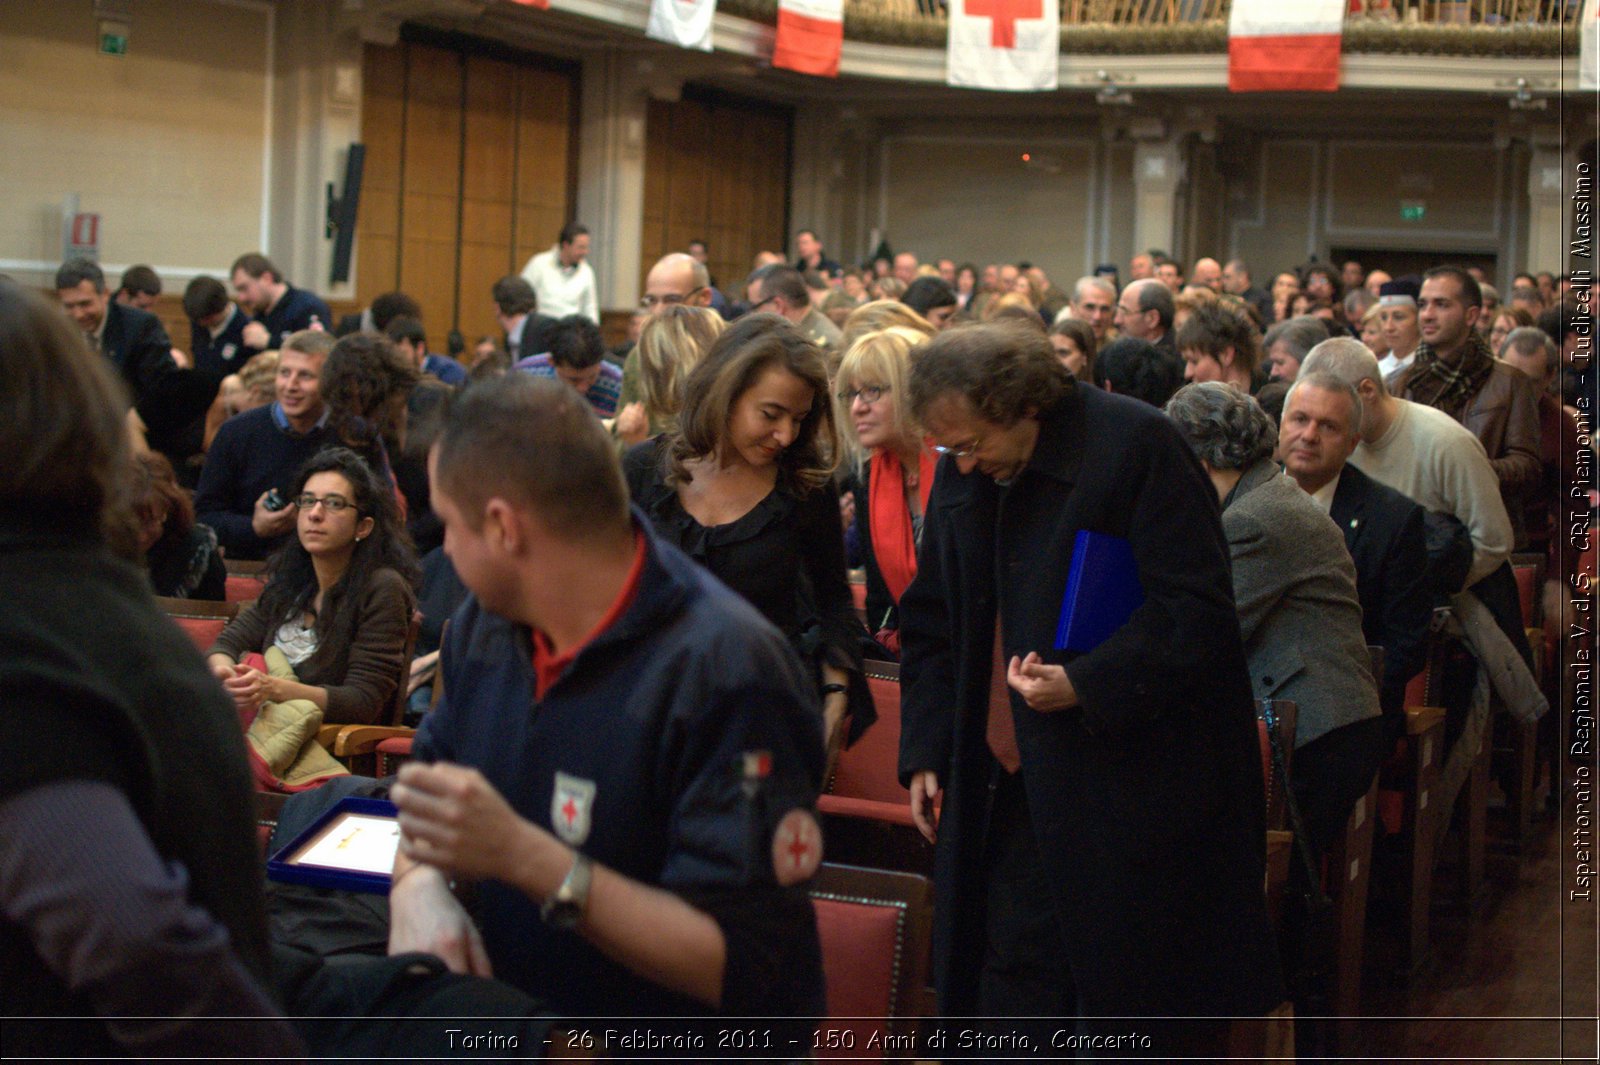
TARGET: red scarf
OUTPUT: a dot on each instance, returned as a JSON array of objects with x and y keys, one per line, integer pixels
[{"x": 889, "y": 519}]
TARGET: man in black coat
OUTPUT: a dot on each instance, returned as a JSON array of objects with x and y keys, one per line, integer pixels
[
  {"x": 1100, "y": 846},
  {"x": 1383, "y": 529},
  {"x": 135, "y": 341}
]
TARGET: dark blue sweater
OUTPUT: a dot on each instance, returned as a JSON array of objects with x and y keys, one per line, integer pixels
[
  {"x": 224, "y": 353},
  {"x": 294, "y": 313},
  {"x": 249, "y": 455}
]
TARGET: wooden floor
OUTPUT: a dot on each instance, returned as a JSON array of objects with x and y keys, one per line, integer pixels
[{"x": 1501, "y": 978}]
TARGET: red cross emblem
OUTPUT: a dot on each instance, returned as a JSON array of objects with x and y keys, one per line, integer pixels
[
  {"x": 1004, "y": 15},
  {"x": 796, "y": 848},
  {"x": 571, "y": 808}
]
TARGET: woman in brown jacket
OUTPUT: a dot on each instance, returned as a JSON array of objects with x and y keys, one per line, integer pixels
[{"x": 338, "y": 600}]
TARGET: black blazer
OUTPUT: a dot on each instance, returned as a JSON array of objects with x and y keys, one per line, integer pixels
[
  {"x": 137, "y": 344},
  {"x": 1383, "y": 530}
]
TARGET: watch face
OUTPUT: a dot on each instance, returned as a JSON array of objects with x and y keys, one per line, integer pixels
[{"x": 562, "y": 913}]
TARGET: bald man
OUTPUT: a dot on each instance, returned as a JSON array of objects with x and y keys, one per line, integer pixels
[
  {"x": 1207, "y": 272},
  {"x": 677, "y": 279}
]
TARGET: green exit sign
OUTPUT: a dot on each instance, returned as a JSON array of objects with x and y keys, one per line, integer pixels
[
  {"x": 1413, "y": 212},
  {"x": 113, "y": 44}
]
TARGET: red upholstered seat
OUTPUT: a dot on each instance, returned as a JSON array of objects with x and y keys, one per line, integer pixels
[
  {"x": 391, "y": 753},
  {"x": 858, "y": 592},
  {"x": 875, "y": 927},
  {"x": 866, "y": 781},
  {"x": 203, "y": 631},
  {"x": 869, "y": 770},
  {"x": 895, "y": 813},
  {"x": 242, "y": 588},
  {"x": 860, "y": 942},
  {"x": 1527, "y": 592}
]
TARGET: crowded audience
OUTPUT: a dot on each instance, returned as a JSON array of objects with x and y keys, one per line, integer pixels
[{"x": 652, "y": 545}]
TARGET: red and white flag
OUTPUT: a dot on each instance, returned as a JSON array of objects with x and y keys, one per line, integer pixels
[
  {"x": 1004, "y": 44},
  {"x": 1589, "y": 47},
  {"x": 1275, "y": 46},
  {"x": 810, "y": 34},
  {"x": 685, "y": 23}
]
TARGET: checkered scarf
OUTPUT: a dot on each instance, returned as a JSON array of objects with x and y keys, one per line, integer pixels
[{"x": 1449, "y": 386}]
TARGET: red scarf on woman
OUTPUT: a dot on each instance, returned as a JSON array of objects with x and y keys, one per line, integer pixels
[{"x": 889, "y": 519}]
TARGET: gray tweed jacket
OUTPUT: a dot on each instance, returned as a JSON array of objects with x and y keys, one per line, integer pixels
[{"x": 1295, "y": 588}]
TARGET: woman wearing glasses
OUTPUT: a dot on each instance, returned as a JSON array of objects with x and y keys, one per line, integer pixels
[
  {"x": 338, "y": 600},
  {"x": 743, "y": 485},
  {"x": 894, "y": 470}
]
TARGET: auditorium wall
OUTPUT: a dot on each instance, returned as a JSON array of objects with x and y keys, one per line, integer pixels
[
  {"x": 1298, "y": 198},
  {"x": 1062, "y": 201},
  {"x": 168, "y": 143}
]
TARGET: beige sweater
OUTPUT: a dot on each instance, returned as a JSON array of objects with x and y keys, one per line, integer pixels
[{"x": 1429, "y": 456}]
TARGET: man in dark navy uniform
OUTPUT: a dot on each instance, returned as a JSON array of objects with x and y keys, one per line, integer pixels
[{"x": 627, "y": 756}]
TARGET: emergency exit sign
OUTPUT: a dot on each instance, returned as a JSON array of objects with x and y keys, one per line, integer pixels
[
  {"x": 113, "y": 43},
  {"x": 1413, "y": 210}
]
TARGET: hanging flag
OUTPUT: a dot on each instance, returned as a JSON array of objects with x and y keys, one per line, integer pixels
[
  {"x": 1589, "y": 47},
  {"x": 1279, "y": 47},
  {"x": 1004, "y": 44},
  {"x": 810, "y": 34},
  {"x": 686, "y": 23}
]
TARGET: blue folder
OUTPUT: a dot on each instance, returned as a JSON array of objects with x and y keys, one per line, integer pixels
[{"x": 1103, "y": 591}]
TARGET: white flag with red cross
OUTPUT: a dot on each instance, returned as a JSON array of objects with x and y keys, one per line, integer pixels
[
  {"x": 686, "y": 23},
  {"x": 1014, "y": 45},
  {"x": 1275, "y": 46}
]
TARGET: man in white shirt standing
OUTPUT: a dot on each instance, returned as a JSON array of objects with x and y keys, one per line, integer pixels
[{"x": 562, "y": 278}]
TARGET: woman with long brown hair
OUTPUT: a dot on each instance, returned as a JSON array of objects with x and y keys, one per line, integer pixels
[{"x": 743, "y": 484}]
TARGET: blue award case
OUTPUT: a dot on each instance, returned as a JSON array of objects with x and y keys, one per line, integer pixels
[{"x": 284, "y": 868}]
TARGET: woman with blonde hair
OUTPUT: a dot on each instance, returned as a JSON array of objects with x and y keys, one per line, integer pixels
[
  {"x": 1012, "y": 305},
  {"x": 743, "y": 484},
  {"x": 879, "y": 315},
  {"x": 671, "y": 344},
  {"x": 893, "y": 470}
]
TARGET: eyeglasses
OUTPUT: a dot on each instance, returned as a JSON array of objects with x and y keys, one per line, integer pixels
[
  {"x": 671, "y": 299},
  {"x": 958, "y": 452},
  {"x": 332, "y": 504},
  {"x": 872, "y": 393},
  {"x": 763, "y": 303}
]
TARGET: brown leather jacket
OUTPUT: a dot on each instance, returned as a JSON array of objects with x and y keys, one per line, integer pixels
[{"x": 1504, "y": 416}]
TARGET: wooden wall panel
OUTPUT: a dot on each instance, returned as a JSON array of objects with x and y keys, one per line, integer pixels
[
  {"x": 717, "y": 169},
  {"x": 382, "y": 122},
  {"x": 487, "y": 192},
  {"x": 545, "y": 149},
  {"x": 468, "y": 174},
  {"x": 430, "y": 200}
]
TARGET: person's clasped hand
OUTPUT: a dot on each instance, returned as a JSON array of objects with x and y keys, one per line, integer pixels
[{"x": 1043, "y": 687}]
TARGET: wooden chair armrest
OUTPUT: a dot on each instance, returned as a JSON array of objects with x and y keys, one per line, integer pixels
[
  {"x": 328, "y": 735},
  {"x": 362, "y": 739},
  {"x": 1420, "y": 719}
]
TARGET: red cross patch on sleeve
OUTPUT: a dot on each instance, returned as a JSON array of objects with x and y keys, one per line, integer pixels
[{"x": 796, "y": 848}]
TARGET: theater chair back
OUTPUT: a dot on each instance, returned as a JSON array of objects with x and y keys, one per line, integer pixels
[
  {"x": 875, "y": 928},
  {"x": 246, "y": 579},
  {"x": 869, "y": 770},
  {"x": 1284, "y": 714},
  {"x": 201, "y": 620}
]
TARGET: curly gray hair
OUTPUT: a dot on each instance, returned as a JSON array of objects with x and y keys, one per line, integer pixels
[{"x": 1227, "y": 429}]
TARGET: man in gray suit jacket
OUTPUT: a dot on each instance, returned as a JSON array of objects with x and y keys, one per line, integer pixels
[{"x": 1295, "y": 589}]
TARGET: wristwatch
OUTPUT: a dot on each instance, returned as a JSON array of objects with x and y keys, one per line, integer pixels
[{"x": 566, "y": 907}]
